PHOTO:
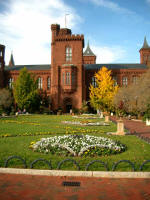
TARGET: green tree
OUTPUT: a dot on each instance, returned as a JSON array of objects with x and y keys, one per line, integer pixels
[
  {"x": 25, "y": 91},
  {"x": 101, "y": 97}
]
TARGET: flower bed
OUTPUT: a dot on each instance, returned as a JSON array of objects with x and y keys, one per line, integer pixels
[
  {"x": 78, "y": 145},
  {"x": 86, "y": 123},
  {"x": 86, "y": 117}
]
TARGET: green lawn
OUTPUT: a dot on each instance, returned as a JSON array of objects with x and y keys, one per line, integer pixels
[{"x": 16, "y": 134}]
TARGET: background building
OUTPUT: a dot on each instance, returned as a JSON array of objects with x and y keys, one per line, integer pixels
[{"x": 71, "y": 72}]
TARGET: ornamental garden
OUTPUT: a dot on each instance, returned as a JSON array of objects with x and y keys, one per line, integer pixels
[{"x": 82, "y": 138}]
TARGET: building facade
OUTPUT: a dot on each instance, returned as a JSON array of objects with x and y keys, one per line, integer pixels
[{"x": 71, "y": 72}]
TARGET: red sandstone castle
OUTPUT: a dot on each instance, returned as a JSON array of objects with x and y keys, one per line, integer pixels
[{"x": 68, "y": 78}]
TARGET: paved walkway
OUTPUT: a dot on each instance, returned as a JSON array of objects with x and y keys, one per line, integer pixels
[
  {"x": 31, "y": 187},
  {"x": 136, "y": 127}
]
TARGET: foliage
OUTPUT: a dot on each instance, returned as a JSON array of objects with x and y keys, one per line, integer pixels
[
  {"x": 25, "y": 91},
  {"x": 84, "y": 108},
  {"x": 101, "y": 97},
  {"x": 147, "y": 112},
  {"x": 130, "y": 99},
  {"x": 77, "y": 145},
  {"x": 6, "y": 99}
]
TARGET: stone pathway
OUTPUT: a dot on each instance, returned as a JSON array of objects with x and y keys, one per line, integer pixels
[{"x": 136, "y": 127}]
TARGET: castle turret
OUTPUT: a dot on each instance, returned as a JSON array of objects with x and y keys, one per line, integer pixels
[
  {"x": 11, "y": 61},
  {"x": 145, "y": 53},
  {"x": 88, "y": 56}
]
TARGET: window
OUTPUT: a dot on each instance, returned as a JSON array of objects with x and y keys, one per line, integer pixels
[
  {"x": 63, "y": 78},
  {"x": 135, "y": 79},
  {"x": 67, "y": 78},
  {"x": 115, "y": 80},
  {"x": 68, "y": 54},
  {"x": 125, "y": 81},
  {"x": 94, "y": 81},
  {"x": 48, "y": 83},
  {"x": 73, "y": 78},
  {"x": 10, "y": 83},
  {"x": 40, "y": 86}
]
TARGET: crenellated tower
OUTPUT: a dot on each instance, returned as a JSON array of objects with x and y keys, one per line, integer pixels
[
  {"x": 145, "y": 53},
  {"x": 2, "y": 65},
  {"x": 66, "y": 68}
]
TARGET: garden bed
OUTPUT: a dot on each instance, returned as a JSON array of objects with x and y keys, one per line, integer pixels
[{"x": 83, "y": 123}]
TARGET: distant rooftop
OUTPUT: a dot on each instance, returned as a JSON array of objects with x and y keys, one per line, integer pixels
[
  {"x": 145, "y": 44},
  {"x": 29, "y": 67},
  {"x": 88, "y": 51},
  {"x": 86, "y": 66},
  {"x": 115, "y": 66}
]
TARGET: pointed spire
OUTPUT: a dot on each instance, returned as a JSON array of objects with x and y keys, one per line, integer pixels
[
  {"x": 88, "y": 51},
  {"x": 145, "y": 44},
  {"x": 11, "y": 62}
]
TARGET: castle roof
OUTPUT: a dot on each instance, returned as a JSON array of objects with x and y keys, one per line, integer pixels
[
  {"x": 145, "y": 44},
  {"x": 88, "y": 51},
  {"x": 29, "y": 67},
  {"x": 115, "y": 66},
  {"x": 86, "y": 66},
  {"x": 11, "y": 62}
]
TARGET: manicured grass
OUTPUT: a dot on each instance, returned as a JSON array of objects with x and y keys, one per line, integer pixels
[{"x": 22, "y": 126}]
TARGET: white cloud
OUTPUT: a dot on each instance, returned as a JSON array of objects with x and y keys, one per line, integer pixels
[
  {"x": 25, "y": 28},
  {"x": 108, "y": 54},
  {"x": 111, "y": 5}
]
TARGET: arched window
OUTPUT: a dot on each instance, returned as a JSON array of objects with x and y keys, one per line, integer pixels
[
  {"x": 68, "y": 54},
  {"x": 40, "y": 86},
  {"x": 94, "y": 81},
  {"x": 124, "y": 81},
  {"x": 10, "y": 83},
  {"x": 135, "y": 79},
  {"x": 48, "y": 83}
]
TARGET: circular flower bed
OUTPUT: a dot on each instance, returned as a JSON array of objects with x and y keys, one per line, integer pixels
[
  {"x": 86, "y": 123},
  {"x": 78, "y": 145}
]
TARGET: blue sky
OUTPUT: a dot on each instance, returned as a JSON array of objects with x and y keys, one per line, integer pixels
[{"x": 114, "y": 28}]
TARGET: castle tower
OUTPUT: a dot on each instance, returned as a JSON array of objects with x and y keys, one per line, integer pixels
[
  {"x": 11, "y": 61},
  {"x": 88, "y": 56},
  {"x": 2, "y": 65},
  {"x": 66, "y": 68},
  {"x": 145, "y": 53}
]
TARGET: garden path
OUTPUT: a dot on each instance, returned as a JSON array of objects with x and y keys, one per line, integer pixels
[
  {"x": 136, "y": 127},
  {"x": 29, "y": 187}
]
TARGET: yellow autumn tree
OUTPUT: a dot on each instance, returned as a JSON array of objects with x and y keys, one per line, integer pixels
[{"x": 101, "y": 96}]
